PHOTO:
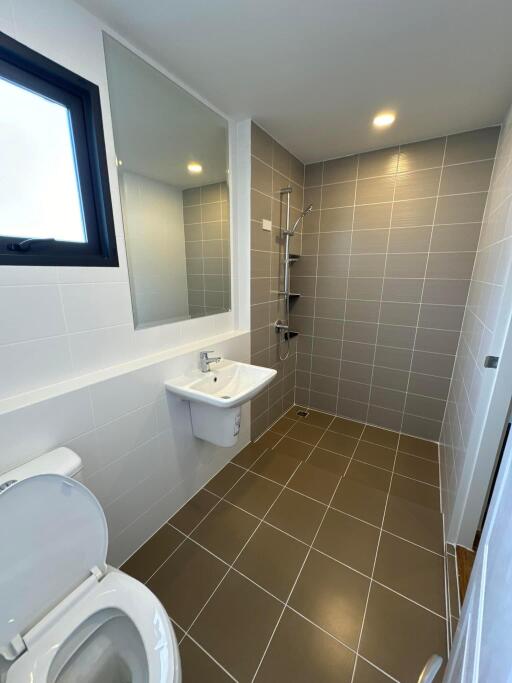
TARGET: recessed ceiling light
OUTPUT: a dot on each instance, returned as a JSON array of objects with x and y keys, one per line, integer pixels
[
  {"x": 384, "y": 119},
  {"x": 194, "y": 167}
]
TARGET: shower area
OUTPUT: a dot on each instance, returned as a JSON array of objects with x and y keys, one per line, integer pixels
[{"x": 359, "y": 290}]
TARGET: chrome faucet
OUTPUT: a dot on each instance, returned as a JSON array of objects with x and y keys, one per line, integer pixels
[{"x": 205, "y": 361}]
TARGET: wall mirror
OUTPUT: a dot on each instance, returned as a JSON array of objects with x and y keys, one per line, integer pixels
[{"x": 172, "y": 162}]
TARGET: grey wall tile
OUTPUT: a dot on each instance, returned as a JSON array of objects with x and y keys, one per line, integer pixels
[
  {"x": 373, "y": 253},
  {"x": 380, "y": 162},
  {"x": 452, "y": 292},
  {"x": 339, "y": 170},
  {"x": 471, "y": 177},
  {"x": 472, "y": 146},
  {"x": 402, "y": 240},
  {"x": 413, "y": 212},
  {"x": 461, "y": 208},
  {"x": 375, "y": 190},
  {"x": 339, "y": 194},
  {"x": 406, "y": 265},
  {"x": 372, "y": 216},
  {"x": 313, "y": 174},
  {"x": 452, "y": 237},
  {"x": 417, "y": 184},
  {"x": 418, "y": 155},
  {"x": 452, "y": 265},
  {"x": 398, "y": 289},
  {"x": 336, "y": 219}
]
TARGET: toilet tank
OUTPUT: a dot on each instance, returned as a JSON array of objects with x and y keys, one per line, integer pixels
[{"x": 62, "y": 461}]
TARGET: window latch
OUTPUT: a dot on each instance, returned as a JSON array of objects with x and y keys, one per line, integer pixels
[{"x": 25, "y": 245}]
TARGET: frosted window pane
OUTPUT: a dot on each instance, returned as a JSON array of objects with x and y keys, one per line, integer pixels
[{"x": 39, "y": 191}]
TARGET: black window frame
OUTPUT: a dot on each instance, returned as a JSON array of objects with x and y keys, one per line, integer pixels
[{"x": 31, "y": 70}]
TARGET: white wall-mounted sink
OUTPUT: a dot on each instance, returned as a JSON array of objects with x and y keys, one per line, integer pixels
[{"x": 216, "y": 396}]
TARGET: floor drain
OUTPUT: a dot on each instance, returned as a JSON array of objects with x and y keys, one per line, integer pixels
[{"x": 302, "y": 413}]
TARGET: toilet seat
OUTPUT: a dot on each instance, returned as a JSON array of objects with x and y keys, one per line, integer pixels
[
  {"x": 63, "y": 610},
  {"x": 116, "y": 594}
]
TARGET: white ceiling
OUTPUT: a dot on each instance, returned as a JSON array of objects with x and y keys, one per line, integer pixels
[{"x": 314, "y": 72}]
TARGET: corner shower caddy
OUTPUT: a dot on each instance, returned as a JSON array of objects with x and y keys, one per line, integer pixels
[{"x": 282, "y": 327}]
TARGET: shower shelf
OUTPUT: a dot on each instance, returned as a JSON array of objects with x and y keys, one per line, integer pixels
[
  {"x": 292, "y": 295},
  {"x": 290, "y": 335}
]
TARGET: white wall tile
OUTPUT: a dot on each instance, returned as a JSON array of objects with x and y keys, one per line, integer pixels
[
  {"x": 92, "y": 306},
  {"x": 30, "y": 312}
]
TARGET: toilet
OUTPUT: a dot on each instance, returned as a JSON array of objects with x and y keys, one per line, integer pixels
[{"x": 65, "y": 615}]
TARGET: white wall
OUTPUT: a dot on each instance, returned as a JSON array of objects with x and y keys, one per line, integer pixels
[
  {"x": 472, "y": 428},
  {"x": 63, "y": 322},
  {"x": 155, "y": 241},
  {"x": 73, "y": 369}
]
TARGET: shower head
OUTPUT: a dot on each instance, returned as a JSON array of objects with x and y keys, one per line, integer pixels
[{"x": 307, "y": 210}]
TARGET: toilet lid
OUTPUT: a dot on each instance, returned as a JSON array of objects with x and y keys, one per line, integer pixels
[{"x": 52, "y": 533}]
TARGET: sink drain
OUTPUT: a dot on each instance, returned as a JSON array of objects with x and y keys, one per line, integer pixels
[{"x": 225, "y": 396}]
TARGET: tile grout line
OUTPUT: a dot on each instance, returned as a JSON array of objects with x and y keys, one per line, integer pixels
[
  {"x": 374, "y": 564},
  {"x": 423, "y": 285},
  {"x": 302, "y": 566},
  {"x": 231, "y": 566}
]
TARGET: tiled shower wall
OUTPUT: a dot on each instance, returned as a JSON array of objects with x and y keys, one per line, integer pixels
[
  {"x": 482, "y": 331},
  {"x": 206, "y": 221},
  {"x": 272, "y": 168},
  {"x": 387, "y": 257}
]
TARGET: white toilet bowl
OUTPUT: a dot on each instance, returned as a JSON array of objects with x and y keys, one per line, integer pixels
[{"x": 66, "y": 617}]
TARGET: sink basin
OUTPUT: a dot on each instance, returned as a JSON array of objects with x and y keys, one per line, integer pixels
[
  {"x": 228, "y": 384},
  {"x": 215, "y": 397}
]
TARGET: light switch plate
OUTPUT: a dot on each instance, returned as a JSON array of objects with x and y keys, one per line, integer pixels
[{"x": 266, "y": 224}]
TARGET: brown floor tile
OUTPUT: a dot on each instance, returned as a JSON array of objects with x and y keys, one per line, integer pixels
[
  {"x": 341, "y": 425},
  {"x": 254, "y": 494},
  {"x": 417, "y": 468},
  {"x": 236, "y": 625},
  {"x": 276, "y": 466},
  {"x": 196, "y": 666},
  {"x": 348, "y": 540},
  {"x": 332, "y": 596},
  {"x": 416, "y": 492},
  {"x": 366, "y": 673},
  {"x": 293, "y": 448},
  {"x": 272, "y": 559},
  {"x": 249, "y": 454},
  {"x": 153, "y": 553},
  {"x": 301, "y": 653},
  {"x": 363, "y": 492},
  {"x": 398, "y": 636},
  {"x": 314, "y": 481},
  {"x": 451, "y": 566},
  {"x": 291, "y": 413},
  {"x": 338, "y": 443},
  {"x": 282, "y": 426},
  {"x": 420, "y": 447},
  {"x": 224, "y": 480},
  {"x": 225, "y": 531},
  {"x": 373, "y": 454},
  {"x": 329, "y": 461},
  {"x": 416, "y": 573},
  {"x": 306, "y": 432},
  {"x": 268, "y": 439},
  {"x": 193, "y": 512},
  {"x": 414, "y": 522},
  {"x": 360, "y": 501},
  {"x": 186, "y": 581},
  {"x": 297, "y": 515},
  {"x": 382, "y": 437},
  {"x": 316, "y": 418}
]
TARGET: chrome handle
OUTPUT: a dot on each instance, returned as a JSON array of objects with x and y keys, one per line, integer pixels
[{"x": 430, "y": 669}]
